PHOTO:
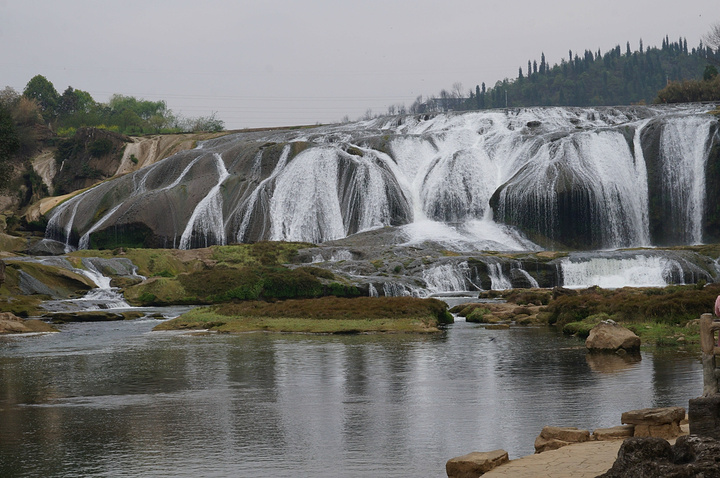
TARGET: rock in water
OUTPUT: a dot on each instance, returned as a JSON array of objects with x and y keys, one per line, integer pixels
[{"x": 608, "y": 336}]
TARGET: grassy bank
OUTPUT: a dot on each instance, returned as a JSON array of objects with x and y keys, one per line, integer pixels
[{"x": 323, "y": 315}]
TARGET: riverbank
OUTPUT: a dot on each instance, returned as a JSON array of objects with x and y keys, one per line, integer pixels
[{"x": 324, "y": 315}]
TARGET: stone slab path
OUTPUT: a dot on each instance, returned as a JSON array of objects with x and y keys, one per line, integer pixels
[{"x": 579, "y": 460}]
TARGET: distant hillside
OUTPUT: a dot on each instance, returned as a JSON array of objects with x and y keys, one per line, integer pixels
[{"x": 592, "y": 78}]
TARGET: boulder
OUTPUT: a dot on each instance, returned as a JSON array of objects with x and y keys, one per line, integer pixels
[
  {"x": 655, "y": 422},
  {"x": 475, "y": 464},
  {"x": 691, "y": 456},
  {"x": 608, "y": 336},
  {"x": 614, "y": 433}
]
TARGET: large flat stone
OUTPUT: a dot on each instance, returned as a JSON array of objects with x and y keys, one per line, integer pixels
[
  {"x": 569, "y": 434},
  {"x": 475, "y": 464},
  {"x": 614, "y": 433},
  {"x": 654, "y": 416}
]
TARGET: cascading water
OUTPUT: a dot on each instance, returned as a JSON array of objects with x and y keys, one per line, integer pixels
[
  {"x": 611, "y": 273},
  {"x": 207, "y": 218},
  {"x": 497, "y": 278},
  {"x": 398, "y": 289},
  {"x": 447, "y": 277},
  {"x": 683, "y": 152},
  {"x": 102, "y": 297},
  {"x": 476, "y": 181}
]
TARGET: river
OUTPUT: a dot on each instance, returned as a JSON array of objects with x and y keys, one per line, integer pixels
[{"x": 115, "y": 399}]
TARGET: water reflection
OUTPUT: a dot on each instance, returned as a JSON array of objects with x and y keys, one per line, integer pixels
[
  {"x": 611, "y": 363},
  {"x": 115, "y": 399}
]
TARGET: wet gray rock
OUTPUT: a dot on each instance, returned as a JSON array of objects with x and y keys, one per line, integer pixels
[{"x": 47, "y": 247}]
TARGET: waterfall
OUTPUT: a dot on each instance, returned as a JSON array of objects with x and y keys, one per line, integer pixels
[
  {"x": 447, "y": 277},
  {"x": 498, "y": 280},
  {"x": 372, "y": 291},
  {"x": 55, "y": 224},
  {"x": 613, "y": 273},
  {"x": 512, "y": 180},
  {"x": 102, "y": 297},
  {"x": 207, "y": 218},
  {"x": 398, "y": 289},
  {"x": 683, "y": 153},
  {"x": 264, "y": 187}
]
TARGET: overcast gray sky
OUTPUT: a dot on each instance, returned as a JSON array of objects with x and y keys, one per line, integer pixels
[{"x": 275, "y": 63}]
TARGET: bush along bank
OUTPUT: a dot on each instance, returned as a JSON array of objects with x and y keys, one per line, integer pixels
[{"x": 660, "y": 316}]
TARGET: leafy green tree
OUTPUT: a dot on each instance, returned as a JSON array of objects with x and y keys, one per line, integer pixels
[
  {"x": 68, "y": 103},
  {"x": 43, "y": 91}
]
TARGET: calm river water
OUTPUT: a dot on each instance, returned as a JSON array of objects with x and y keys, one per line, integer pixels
[{"x": 115, "y": 399}]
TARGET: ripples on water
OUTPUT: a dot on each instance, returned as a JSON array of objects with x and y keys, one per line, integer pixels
[{"x": 114, "y": 399}]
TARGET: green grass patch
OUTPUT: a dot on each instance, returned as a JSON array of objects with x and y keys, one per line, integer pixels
[
  {"x": 324, "y": 315},
  {"x": 665, "y": 335},
  {"x": 264, "y": 253}
]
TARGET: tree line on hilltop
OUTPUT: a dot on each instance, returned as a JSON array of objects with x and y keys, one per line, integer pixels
[
  {"x": 670, "y": 74},
  {"x": 64, "y": 113},
  {"x": 41, "y": 117}
]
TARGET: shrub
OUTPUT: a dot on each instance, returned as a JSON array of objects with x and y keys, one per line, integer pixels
[{"x": 100, "y": 147}]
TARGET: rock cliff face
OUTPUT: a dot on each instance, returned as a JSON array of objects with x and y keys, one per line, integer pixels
[{"x": 562, "y": 177}]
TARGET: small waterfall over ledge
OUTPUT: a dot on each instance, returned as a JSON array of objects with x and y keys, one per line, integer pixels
[{"x": 512, "y": 180}]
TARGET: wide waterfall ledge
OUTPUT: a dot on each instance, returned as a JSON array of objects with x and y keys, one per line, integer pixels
[{"x": 504, "y": 180}]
